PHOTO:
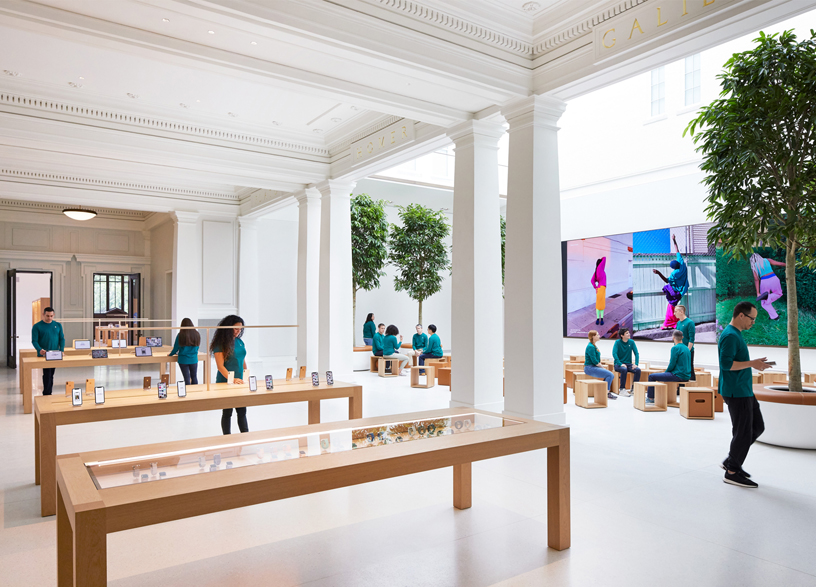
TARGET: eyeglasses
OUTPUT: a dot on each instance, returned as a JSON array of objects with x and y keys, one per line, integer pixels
[{"x": 751, "y": 318}]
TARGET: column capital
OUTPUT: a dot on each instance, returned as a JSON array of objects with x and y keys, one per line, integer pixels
[
  {"x": 309, "y": 195},
  {"x": 335, "y": 187},
  {"x": 485, "y": 132},
  {"x": 184, "y": 217},
  {"x": 540, "y": 110},
  {"x": 247, "y": 222}
]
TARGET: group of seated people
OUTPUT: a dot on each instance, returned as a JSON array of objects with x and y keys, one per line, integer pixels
[
  {"x": 387, "y": 342},
  {"x": 678, "y": 369}
]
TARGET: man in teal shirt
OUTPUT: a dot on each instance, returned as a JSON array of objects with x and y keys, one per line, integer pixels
[
  {"x": 622, "y": 352},
  {"x": 377, "y": 341},
  {"x": 47, "y": 335},
  {"x": 688, "y": 328},
  {"x": 419, "y": 340},
  {"x": 679, "y": 368},
  {"x": 736, "y": 387}
]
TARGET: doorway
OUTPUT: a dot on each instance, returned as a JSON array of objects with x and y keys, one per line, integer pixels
[
  {"x": 29, "y": 293},
  {"x": 116, "y": 298}
]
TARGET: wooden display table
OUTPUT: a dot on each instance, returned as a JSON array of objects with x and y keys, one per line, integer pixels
[
  {"x": 86, "y": 513},
  {"x": 586, "y": 388},
  {"x": 641, "y": 389},
  {"x": 51, "y": 411},
  {"x": 114, "y": 358},
  {"x": 429, "y": 376},
  {"x": 697, "y": 403}
]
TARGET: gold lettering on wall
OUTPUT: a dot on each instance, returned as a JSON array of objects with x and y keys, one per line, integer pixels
[
  {"x": 635, "y": 25},
  {"x": 707, "y": 2},
  {"x": 685, "y": 11},
  {"x": 659, "y": 23},
  {"x": 404, "y": 132},
  {"x": 603, "y": 39},
  {"x": 370, "y": 147},
  {"x": 382, "y": 140},
  {"x": 393, "y": 140}
]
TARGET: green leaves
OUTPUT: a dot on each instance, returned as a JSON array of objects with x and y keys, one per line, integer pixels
[
  {"x": 418, "y": 251},
  {"x": 369, "y": 231}
]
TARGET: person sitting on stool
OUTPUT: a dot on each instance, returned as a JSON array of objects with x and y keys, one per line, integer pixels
[
  {"x": 47, "y": 335},
  {"x": 419, "y": 341},
  {"x": 391, "y": 347},
  {"x": 592, "y": 363},
  {"x": 434, "y": 348},
  {"x": 688, "y": 328},
  {"x": 679, "y": 368},
  {"x": 622, "y": 354}
]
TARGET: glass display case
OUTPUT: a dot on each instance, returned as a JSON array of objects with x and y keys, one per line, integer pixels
[{"x": 160, "y": 466}]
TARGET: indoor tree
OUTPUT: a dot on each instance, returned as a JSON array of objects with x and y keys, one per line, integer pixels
[
  {"x": 369, "y": 254},
  {"x": 758, "y": 142},
  {"x": 418, "y": 252}
]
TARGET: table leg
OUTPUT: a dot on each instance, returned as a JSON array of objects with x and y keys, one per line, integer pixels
[
  {"x": 207, "y": 371},
  {"x": 36, "y": 450},
  {"x": 65, "y": 545},
  {"x": 314, "y": 411},
  {"x": 558, "y": 493},
  {"x": 90, "y": 549},
  {"x": 48, "y": 467},
  {"x": 173, "y": 373},
  {"x": 162, "y": 368},
  {"x": 28, "y": 392},
  {"x": 462, "y": 498},
  {"x": 356, "y": 405}
]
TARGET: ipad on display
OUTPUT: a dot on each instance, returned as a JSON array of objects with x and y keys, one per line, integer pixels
[
  {"x": 99, "y": 353},
  {"x": 144, "y": 351},
  {"x": 181, "y": 387},
  {"x": 53, "y": 355},
  {"x": 99, "y": 394},
  {"x": 153, "y": 341},
  {"x": 82, "y": 344}
]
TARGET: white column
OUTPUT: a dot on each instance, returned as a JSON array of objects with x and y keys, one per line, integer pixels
[
  {"x": 248, "y": 281},
  {"x": 186, "y": 267},
  {"x": 308, "y": 278},
  {"x": 336, "y": 328},
  {"x": 476, "y": 314},
  {"x": 532, "y": 280}
]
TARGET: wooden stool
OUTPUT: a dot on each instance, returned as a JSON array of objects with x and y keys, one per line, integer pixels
[
  {"x": 756, "y": 378},
  {"x": 697, "y": 403},
  {"x": 570, "y": 369},
  {"x": 719, "y": 403},
  {"x": 586, "y": 388},
  {"x": 565, "y": 391},
  {"x": 580, "y": 376},
  {"x": 773, "y": 377},
  {"x": 429, "y": 377},
  {"x": 703, "y": 379},
  {"x": 373, "y": 364},
  {"x": 443, "y": 376},
  {"x": 577, "y": 359},
  {"x": 641, "y": 388},
  {"x": 393, "y": 371},
  {"x": 671, "y": 392},
  {"x": 438, "y": 363},
  {"x": 810, "y": 377}
]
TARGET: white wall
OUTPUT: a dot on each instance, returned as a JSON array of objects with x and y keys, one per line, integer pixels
[
  {"x": 161, "y": 267},
  {"x": 30, "y": 287}
]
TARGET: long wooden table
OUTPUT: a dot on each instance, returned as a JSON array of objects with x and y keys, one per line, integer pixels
[
  {"x": 51, "y": 411},
  {"x": 85, "y": 360},
  {"x": 86, "y": 513}
]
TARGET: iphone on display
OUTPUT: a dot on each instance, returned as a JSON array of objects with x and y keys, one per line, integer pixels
[
  {"x": 329, "y": 378},
  {"x": 99, "y": 394},
  {"x": 315, "y": 378},
  {"x": 269, "y": 383},
  {"x": 181, "y": 387},
  {"x": 162, "y": 390},
  {"x": 253, "y": 383},
  {"x": 76, "y": 396}
]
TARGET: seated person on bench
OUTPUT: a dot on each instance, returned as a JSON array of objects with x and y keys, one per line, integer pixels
[
  {"x": 622, "y": 353},
  {"x": 434, "y": 348},
  {"x": 420, "y": 341},
  {"x": 391, "y": 347},
  {"x": 377, "y": 341},
  {"x": 592, "y": 363},
  {"x": 679, "y": 368}
]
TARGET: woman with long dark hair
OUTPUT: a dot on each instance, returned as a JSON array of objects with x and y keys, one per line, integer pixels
[
  {"x": 230, "y": 354},
  {"x": 186, "y": 345},
  {"x": 369, "y": 329}
]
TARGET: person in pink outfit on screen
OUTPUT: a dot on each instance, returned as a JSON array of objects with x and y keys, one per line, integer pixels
[
  {"x": 767, "y": 285},
  {"x": 599, "y": 283}
]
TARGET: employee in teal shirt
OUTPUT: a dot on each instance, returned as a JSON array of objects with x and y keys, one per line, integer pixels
[
  {"x": 230, "y": 355},
  {"x": 186, "y": 347},
  {"x": 679, "y": 368},
  {"x": 688, "y": 328},
  {"x": 419, "y": 341},
  {"x": 592, "y": 363},
  {"x": 391, "y": 347},
  {"x": 622, "y": 352},
  {"x": 377, "y": 341},
  {"x": 47, "y": 335},
  {"x": 736, "y": 387},
  {"x": 369, "y": 330},
  {"x": 433, "y": 350}
]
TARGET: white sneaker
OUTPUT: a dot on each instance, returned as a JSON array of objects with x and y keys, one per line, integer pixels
[{"x": 626, "y": 393}]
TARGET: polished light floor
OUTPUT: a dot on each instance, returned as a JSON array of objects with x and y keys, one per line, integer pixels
[{"x": 648, "y": 508}]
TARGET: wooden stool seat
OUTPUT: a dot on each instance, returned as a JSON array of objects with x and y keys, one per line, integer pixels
[
  {"x": 438, "y": 363},
  {"x": 586, "y": 388},
  {"x": 697, "y": 403},
  {"x": 443, "y": 376},
  {"x": 672, "y": 388},
  {"x": 383, "y": 370},
  {"x": 703, "y": 379},
  {"x": 430, "y": 377},
  {"x": 641, "y": 388}
]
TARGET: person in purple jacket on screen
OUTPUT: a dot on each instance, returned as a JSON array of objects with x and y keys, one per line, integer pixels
[{"x": 599, "y": 283}]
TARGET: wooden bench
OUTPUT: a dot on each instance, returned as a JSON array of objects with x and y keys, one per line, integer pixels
[{"x": 87, "y": 514}]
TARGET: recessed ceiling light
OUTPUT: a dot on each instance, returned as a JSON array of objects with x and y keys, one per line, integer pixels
[
  {"x": 253, "y": 42},
  {"x": 198, "y": 100},
  {"x": 80, "y": 77},
  {"x": 79, "y": 213},
  {"x": 134, "y": 96},
  {"x": 231, "y": 114},
  {"x": 335, "y": 119},
  {"x": 182, "y": 104},
  {"x": 74, "y": 85},
  {"x": 317, "y": 130},
  {"x": 11, "y": 73},
  {"x": 211, "y": 32},
  {"x": 165, "y": 20}
]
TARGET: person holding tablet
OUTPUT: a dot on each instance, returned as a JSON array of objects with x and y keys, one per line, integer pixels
[
  {"x": 391, "y": 347},
  {"x": 47, "y": 335},
  {"x": 434, "y": 348},
  {"x": 186, "y": 346},
  {"x": 592, "y": 363},
  {"x": 369, "y": 329},
  {"x": 230, "y": 354}
]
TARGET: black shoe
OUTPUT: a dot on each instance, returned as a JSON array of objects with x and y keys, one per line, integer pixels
[
  {"x": 597, "y": 321},
  {"x": 601, "y": 321},
  {"x": 739, "y": 480},
  {"x": 763, "y": 296},
  {"x": 744, "y": 473}
]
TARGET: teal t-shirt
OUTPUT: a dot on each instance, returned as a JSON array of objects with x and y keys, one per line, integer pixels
[
  {"x": 48, "y": 337},
  {"x": 391, "y": 345},
  {"x": 187, "y": 355},
  {"x": 235, "y": 362},
  {"x": 377, "y": 343},
  {"x": 369, "y": 329},
  {"x": 622, "y": 352},
  {"x": 434, "y": 347},
  {"x": 680, "y": 362},
  {"x": 688, "y": 328},
  {"x": 592, "y": 356},
  {"x": 732, "y": 347},
  {"x": 419, "y": 341}
]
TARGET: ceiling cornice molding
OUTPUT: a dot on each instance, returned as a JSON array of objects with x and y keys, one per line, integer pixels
[
  {"x": 142, "y": 121},
  {"x": 29, "y": 206},
  {"x": 107, "y": 184},
  {"x": 345, "y": 142}
]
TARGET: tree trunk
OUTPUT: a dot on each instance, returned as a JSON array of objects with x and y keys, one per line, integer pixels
[
  {"x": 420, "y": 312},
  {"x": 794, "y": 366},
  {"x": 353, "y": 315}
]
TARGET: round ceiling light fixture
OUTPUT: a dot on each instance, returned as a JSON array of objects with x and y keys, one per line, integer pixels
[
  {"x": 253, "y": 42},
  {"x": 165, "y": 20},
  {"x": 211, "y": 32},
  {"x": 79, "y": 213}
]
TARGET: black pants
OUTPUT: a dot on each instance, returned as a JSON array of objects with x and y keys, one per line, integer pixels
[
  {"x": 190, "y": 373},
  {"x": 693, "y": 376},
  {"x": 48, "y": 381},
  {"x": 226, "y": 417},
  {"x": 746, "y": 426}
]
